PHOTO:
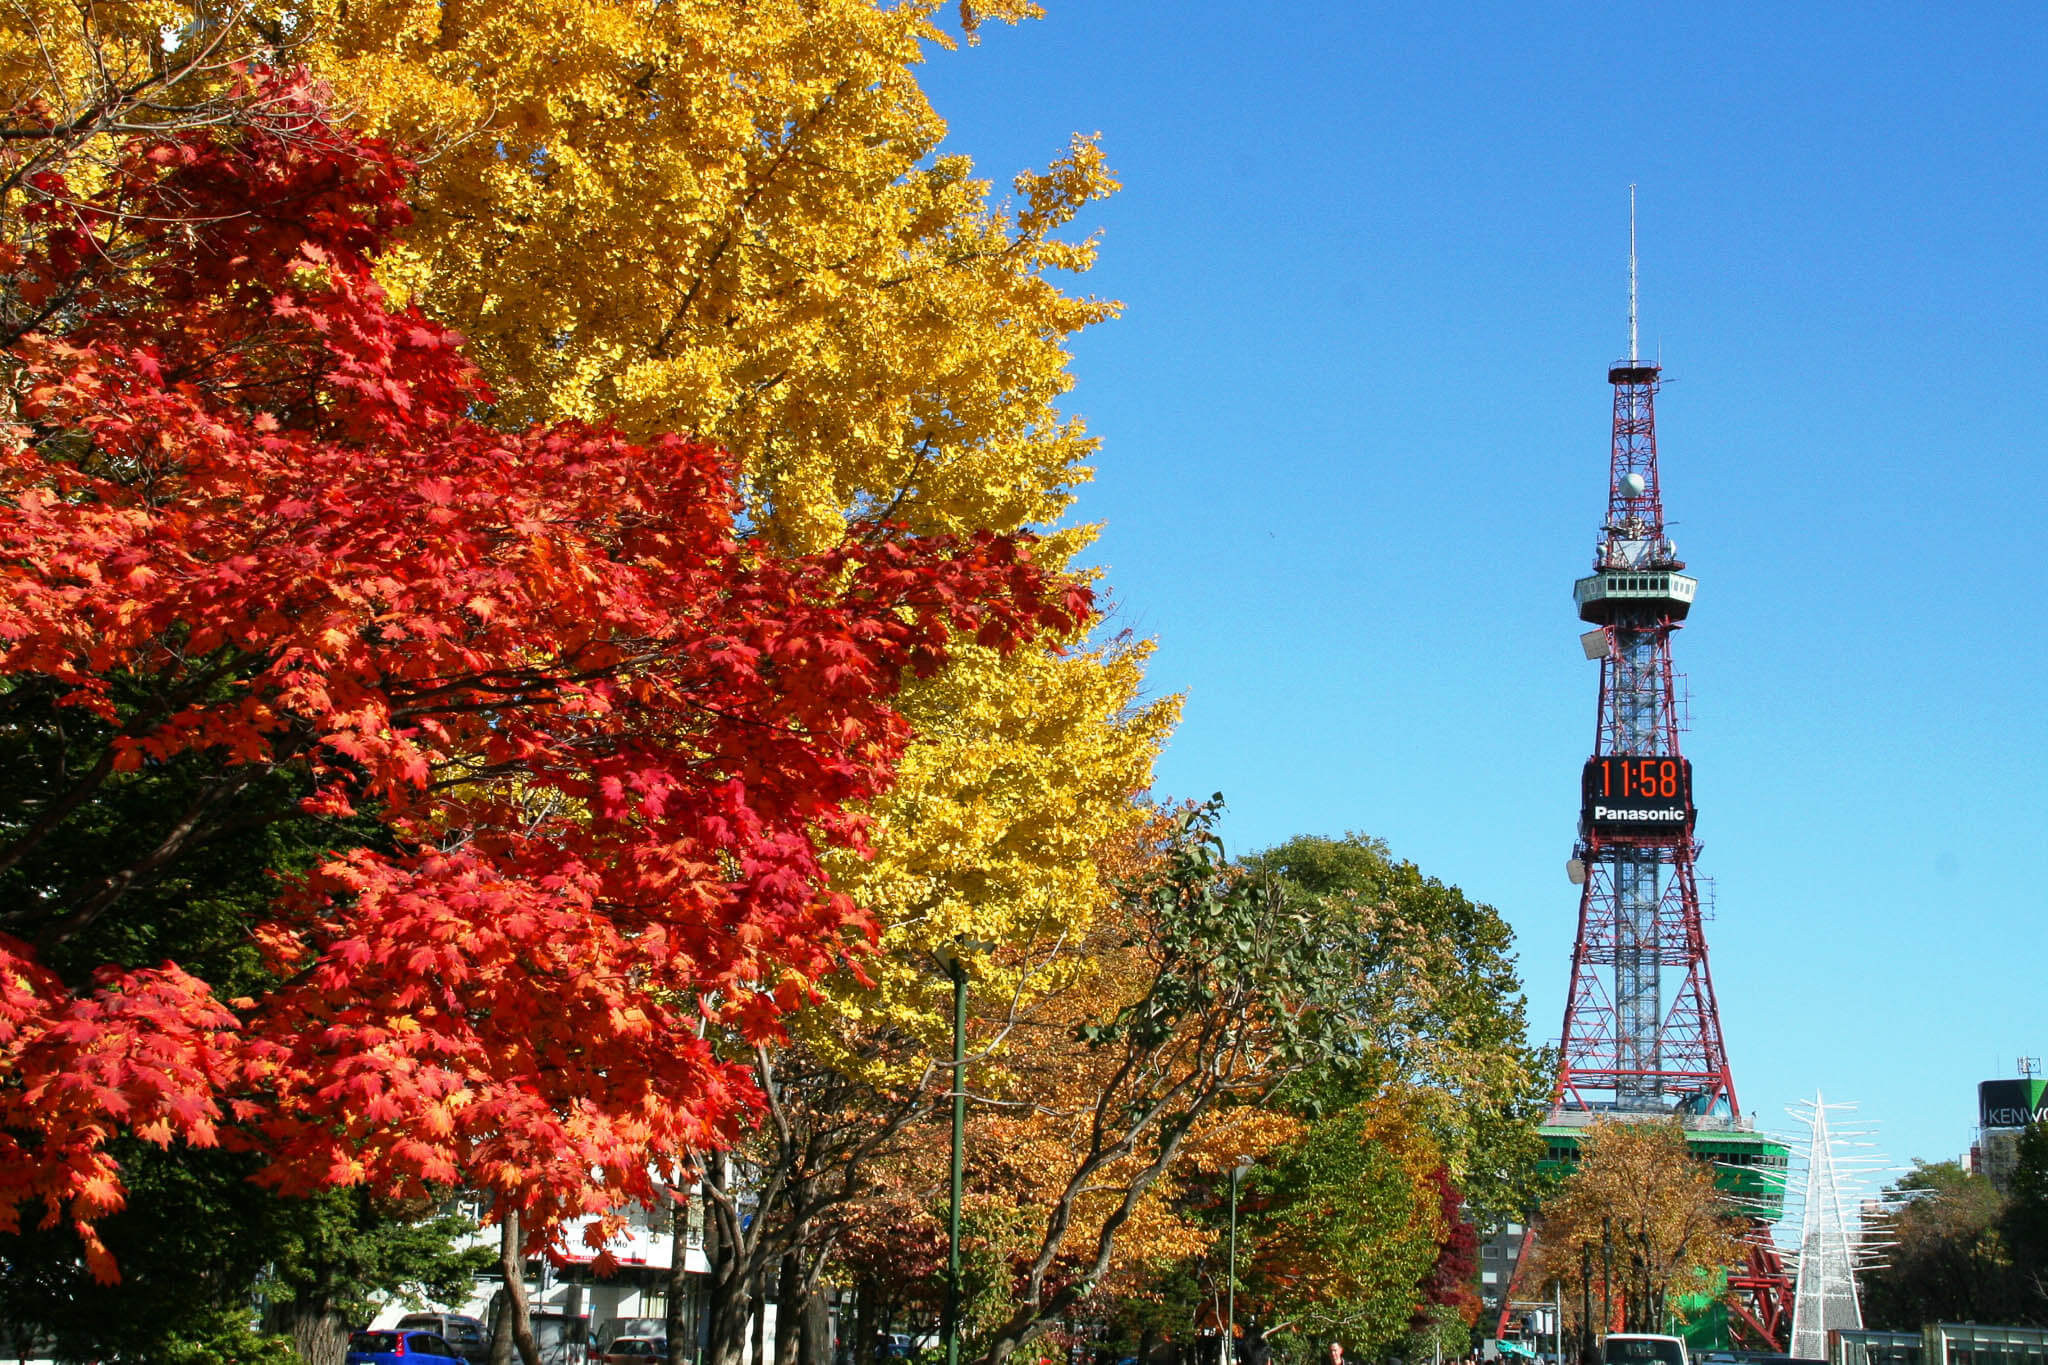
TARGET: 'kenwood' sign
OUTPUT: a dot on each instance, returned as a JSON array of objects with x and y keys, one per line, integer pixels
[{"x": 2012, "y": 1104}]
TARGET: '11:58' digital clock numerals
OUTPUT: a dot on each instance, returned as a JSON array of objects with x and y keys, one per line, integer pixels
[{"x": 1640, "y": 777}]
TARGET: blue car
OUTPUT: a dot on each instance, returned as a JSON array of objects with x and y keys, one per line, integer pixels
[{"x": 400, "y": 1347}]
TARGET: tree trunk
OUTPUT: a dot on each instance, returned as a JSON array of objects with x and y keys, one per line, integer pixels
[
  {"x": 757, "y": 1312},
  {"x": 515, "y": 1321},
  {"x": 319, "y": 1332},
  {"x": 726, "y": 1297},
  {"x": 1027, "y": 1321},
  {"x": 676, "y": 1321},
  {"x": 814, "y": 1340},
  {"x": 864, "y": 1325},
  {"x": 726, "y": 1326},
  {"x": 789, "y": 1316},
  {"x": 727, "y": 1317},
  {"x": 1001, "y": 1345},
  {"x": 501, "y": 1330}
]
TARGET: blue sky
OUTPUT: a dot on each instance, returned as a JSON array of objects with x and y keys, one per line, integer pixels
[{"x": 1355, "y": 439}]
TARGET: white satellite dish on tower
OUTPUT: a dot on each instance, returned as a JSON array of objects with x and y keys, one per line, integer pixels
[{"x": 1632, "y": 485}]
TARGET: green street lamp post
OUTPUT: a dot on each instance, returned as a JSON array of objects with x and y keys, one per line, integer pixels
[
  {"x": 1237, "y": 1174},
  {"x": 949, "y": 954}
]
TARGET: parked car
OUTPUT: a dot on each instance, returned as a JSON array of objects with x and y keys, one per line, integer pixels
[
  {"x": 637, "y": 1351},
  {"x": 614, "y": 1328},
  {"x": 465, "y": 1334},
  {"x": 401, "y": 1347}
]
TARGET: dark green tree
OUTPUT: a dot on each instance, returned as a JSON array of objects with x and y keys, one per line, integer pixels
[
  {"x": 193, "y": 1242},
  {"x": 197, "y": 1244},
  {"x": 1949, "y": 1261},
  {"x": 2026, "y": 1219},
  {"x": 204, "y": 1252}
]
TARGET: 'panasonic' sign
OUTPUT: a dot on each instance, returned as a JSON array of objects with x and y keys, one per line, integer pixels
[{"x": 1632, "y": 813}]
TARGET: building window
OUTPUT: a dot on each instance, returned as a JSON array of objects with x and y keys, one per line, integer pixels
[
  {"x": 1489, "y": 1277},
  {"x": 1514, "y": 1229}
]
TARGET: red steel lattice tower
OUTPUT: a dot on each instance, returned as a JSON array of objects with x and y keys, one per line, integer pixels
[{"x": 1642, "y": 1033}]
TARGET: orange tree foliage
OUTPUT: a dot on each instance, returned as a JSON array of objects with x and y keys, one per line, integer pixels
[
  {"x": 1088, "y": 1168},
  {"x": 1672, "y": 1232},
  {"x": 575, "y": 746},
  {"x": 1074, "y": 1129},
  {"x": 1036, "y": 1090},
  {"x": 1115, "y": 1107}
]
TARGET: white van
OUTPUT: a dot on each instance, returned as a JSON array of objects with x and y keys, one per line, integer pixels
[{"x": 1643, "y": 1348}]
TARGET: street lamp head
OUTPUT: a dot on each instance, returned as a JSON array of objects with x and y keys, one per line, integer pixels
[
  {"x": 1242, "y": 1169},
  {"x": 952, "y": 953}
]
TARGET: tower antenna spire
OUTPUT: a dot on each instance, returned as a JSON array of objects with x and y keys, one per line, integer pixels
[{"x": 1633, "y": 354}]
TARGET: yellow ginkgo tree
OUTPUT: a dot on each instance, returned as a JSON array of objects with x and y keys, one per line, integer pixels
[{"x": 737, "y": 219}]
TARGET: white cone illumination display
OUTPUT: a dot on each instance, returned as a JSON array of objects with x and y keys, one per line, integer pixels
[{"x": 1824, "y": 1297}]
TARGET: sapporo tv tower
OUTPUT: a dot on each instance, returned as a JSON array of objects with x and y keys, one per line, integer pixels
[{"x": 1642, "y": 1032}]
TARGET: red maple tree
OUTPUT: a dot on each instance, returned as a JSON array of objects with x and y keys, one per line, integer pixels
[
  {"x": 604, "y": 735},
  {"x": 1452, "y": 1279}
]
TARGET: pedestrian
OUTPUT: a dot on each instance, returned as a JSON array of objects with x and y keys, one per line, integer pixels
[
  {"x": 1254, "y": 1350},
  {"x": 1336, "y": 1353}
]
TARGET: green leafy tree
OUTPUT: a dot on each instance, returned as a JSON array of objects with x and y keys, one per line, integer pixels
[
  {"x": 1209, "y": 991},
  {"x": 1440, "y": 1332},
  {"x": 1345, "y": 1230},
  {"x": 1483, "y": 1112},
  {"x": 1176, "y": 1301},
  {"x": 339, "y": 1257},
  {"x": 193, "y": 1241},
  {"x": 1210, "y": 994}
]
